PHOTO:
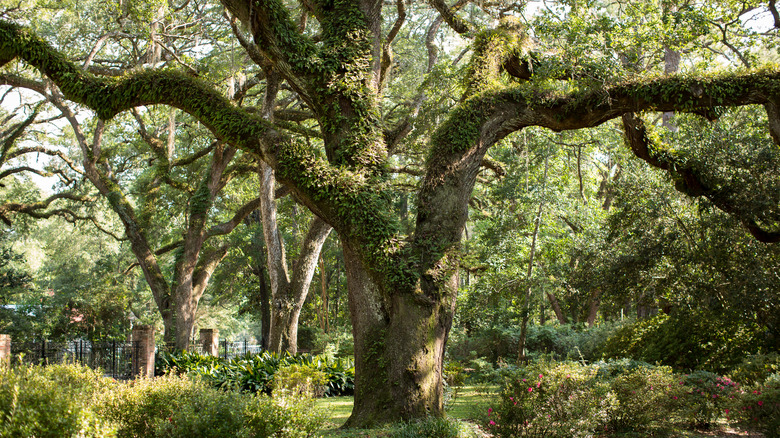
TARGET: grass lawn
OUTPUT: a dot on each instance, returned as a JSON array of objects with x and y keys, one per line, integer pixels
[{"x": 470, "y": 403}]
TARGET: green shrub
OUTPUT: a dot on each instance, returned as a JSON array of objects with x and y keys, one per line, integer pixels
[
  {"x": 455, "y": 374},
  {"x": 54, "y": 401},
  {"x": 644, "y": 397},
  {"x": 299, "y": 380},
  {"x": 179, "y": 406},
  {"x": 255, "y": 372},
  {"x": 609, "y": 369},
  {"x": 434, "y": 427},
  {"x": 181, "y": 362},
  {"x": 707, "y": 397},
  {"x": 687, "y": 341},
  {"x": 758, "y": 407},
  {"x": 557, "y": 341},
  {"x": 281, "y": 417},
  {"x": 755, "y": 368},
  {"x": 551, "y": 400}
]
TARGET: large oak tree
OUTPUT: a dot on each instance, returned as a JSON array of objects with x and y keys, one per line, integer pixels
[{"x": 334, "y": 56}]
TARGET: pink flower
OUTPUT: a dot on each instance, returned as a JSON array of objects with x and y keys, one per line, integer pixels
[
  {"x": 530, "y": 390},
  {"x": 727, "y": 411},
  {"x": 490, "y": 411},
  {"x": 540, "y": 376},
  {"x": 492, "y": 423},
  {"x": 675, "y": 397},
  {"x": 760, "y": 403}
]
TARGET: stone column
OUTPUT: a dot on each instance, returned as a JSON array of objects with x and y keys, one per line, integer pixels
[
  {"x": 209, "y": 339},
  {"x": 143, "y": 351},
  {"x": 5, "y": 350}
]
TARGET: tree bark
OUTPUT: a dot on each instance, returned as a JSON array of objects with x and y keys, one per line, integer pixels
[
  {"x": 287, "y": 294},
  {"x": 557, "y": 308},
  {"x": 593, "y": 307},
  {"x": 399, "y": 348}
]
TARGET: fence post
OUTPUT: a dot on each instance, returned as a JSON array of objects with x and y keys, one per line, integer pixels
[
  {"x": 209, "y": 341},
  {"x": 143, "y": 351},
  {"x": 5, "y": 350}
]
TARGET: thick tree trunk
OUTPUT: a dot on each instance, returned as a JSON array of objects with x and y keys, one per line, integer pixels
[
  {"x": 399, "y": 348},
  {"x": 278, "y": 332}
]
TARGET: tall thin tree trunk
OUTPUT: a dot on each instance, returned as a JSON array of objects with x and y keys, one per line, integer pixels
[
  {"x": 324, "y": 307},
  {"x": 529, "y": 271}
]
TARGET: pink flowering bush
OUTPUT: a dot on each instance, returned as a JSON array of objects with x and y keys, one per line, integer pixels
[
  {"x": 758, "y": 407},
  {"x": 550, "y": 400},
  {"x": 707, "y": 397}
]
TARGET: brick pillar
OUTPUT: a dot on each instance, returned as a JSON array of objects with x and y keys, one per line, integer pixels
[
  {"x": 209, "y": 339},
  {"x": 143, "y": 351},
  {"x": 5, "y": 350}
]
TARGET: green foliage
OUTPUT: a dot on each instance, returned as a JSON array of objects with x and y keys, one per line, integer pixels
[
  {"x": 571, "y": 399},
  {"x": 758, "y": 407},
  {"x": 52, "y": 402},
  {"x": 686, "y": 341},
  {"x": 755, "y": 368},
  {"x": 708, "y": 396},
  {"x": 551, "y": 400},
  {"x": 179, "y": 406},
  {"x": 255, "y": 372},
  {"x": 299, "y": 381},
  {"x": 644, "y": 396},
  {"x": 559, "y": 341},
  {"x": 434, "y": 427}
]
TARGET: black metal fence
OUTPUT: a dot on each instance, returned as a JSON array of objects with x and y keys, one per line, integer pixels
[
  {"x": 113, "y": 357},
  {"x": 225, "y": 349},
  {"x": 230, "y": 350}
]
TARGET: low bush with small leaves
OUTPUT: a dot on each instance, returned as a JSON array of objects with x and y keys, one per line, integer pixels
[
  {"x": 55, "y": 401},
  {"x": 181, "y": 406},
  {"x": 758, "y": 407},
  {"x": 299, "y": 381},
  {"x": 435, "y": 427},
  {"x": 707, "y": 397},
  {"x": 755, "y": 368},
  {"x": 61, "y": 401},
  {"x": 551, "y": 400},
  {"x": 645, "y": 397}
]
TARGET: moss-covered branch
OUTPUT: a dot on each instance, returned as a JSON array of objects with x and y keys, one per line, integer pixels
[
  {"x": 688, "y": 180},
  {"x": 108, "y": 97},
  {"x": 459, "y": 144}
]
